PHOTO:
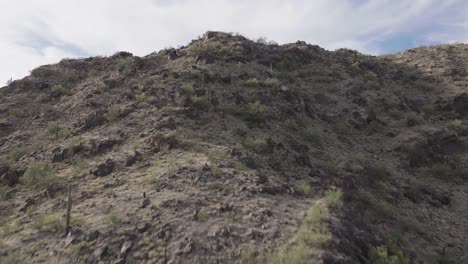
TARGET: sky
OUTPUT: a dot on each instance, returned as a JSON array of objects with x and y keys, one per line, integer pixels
[{"x": 37, "y": 32}]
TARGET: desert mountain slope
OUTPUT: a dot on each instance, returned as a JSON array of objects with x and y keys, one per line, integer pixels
[{"x": 233, "y": 151}]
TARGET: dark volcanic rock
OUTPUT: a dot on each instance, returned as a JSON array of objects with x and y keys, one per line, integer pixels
[{"x": 104, "y": 169}]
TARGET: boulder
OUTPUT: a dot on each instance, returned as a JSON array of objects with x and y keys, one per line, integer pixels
[
  {"x": 460, "y": 103},
  {"x": 104, "y": 169}
]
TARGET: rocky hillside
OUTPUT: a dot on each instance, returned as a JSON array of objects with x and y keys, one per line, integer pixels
[{"x": 233, "y": 151}]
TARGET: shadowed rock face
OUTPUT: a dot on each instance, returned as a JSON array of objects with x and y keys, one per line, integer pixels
[{"x": 275, "y": 151}]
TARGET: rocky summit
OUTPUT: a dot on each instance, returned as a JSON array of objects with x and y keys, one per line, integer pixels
[{"x": 229, "y": 150}]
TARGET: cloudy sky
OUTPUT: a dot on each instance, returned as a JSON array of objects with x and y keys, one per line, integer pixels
[{"x": 36, "y": 32}]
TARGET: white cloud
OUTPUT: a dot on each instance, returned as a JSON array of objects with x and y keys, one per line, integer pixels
[{"x": 38, "y": 32}]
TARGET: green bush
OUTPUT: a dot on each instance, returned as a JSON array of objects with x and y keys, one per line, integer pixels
[
  {"x": 47, "y": 223},
  {"x": 141, "y": 98},
  {"x": 381, "y": 255},
  {"x": 342, "y": 127},
  {"x": 312, "y": 136},
  {"x": 58, "y": 90},
  {"x": 58, "y": 131},
  {"x": 201, "y": 103},
  {"x": 39, "y": 174},
  {"x": 259, "y": 146},
  {"x": 441, "y": 170},
  {"x": 304, "y": 187},
  {"x": 456, "y": 124},
  {"x": 252, "y": 82},
  {"x": 42, "y": 71},
  {"x": 113, "y": 113},
  {"x": 271, "y": 82},
  {"x": 295, "y": 255},
  {"x": 187, "y": 89},
  {"x": 17, "y": 153},
  {"x": 255, "y": 112}
]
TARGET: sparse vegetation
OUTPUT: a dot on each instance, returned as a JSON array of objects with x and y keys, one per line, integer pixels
[
  {"x": 342, "y": 127},
  {"x": 113, "y": 113},
  {"x": 253, "y": 82},
  {"x": 313, "y": 231},
  {"x": 271, "y": 82},
  {"x": 381, "y": 255},
  {"x": 304, "y": 187},
  {"x": 39, "y": 174},
  {"x": 255, "y": 112},
  {"x": 259, "y": 146},
  {"x": 201, "y": 103},
  {"x": 141, "y": 98},
  {"x": 58, "y": 90},
  {"x": 312, "y": 136},
  {"x": 57, "y": 131},
  {"x": 10, "y": 229},
  {"x": 456, "y": 124},
  {"x": 48, "y": 224}
]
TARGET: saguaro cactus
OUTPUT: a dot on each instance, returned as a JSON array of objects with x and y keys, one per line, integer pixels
[{"x": 69, "y": 206}]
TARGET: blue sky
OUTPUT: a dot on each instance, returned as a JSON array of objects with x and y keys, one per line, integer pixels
[{"x": 37, "y": 32}]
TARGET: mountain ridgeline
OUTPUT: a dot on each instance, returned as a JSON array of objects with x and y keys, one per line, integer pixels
[{"x": 229, "y": 150}]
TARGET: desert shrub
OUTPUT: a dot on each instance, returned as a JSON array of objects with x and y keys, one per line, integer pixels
[
  {"x": 187, "y": 89},
  {"x": 447, "y": 171},
  {"x": 113, "y": 218},
  {"x": 9, "y": 229},
  {"x": 379, "y": 207},
  {"x": 248, "y": 256},
  {"x": 304, "y": 187},
  {"x": 295, "y": 255},
  {"x": 312, "y": 136},
  {"x": 58, "y": 131},
  {"x": 215, "y": 171},
  {"x": 42, "y": 71},
  {"x": 252, "y": 82},
  {"x": 271, "y": 82},
  {"x": 201, "y": 103},
  {"x": 65, "y": 98},
  {"x": 113, "y": 113},
  {"x": 427, "y": 108},
  {"x": 17, "y": 153},
  {"x": 381, "y": 255},
  {"x": 150, "y": 80},
  {"x": 441, "y": 170},
  {"x": 58, "y": 90},
  {"x": 333, "y": 199},
  {"x": 141, "y": 98},
  {"x": 46, "y": 108},
  {"x": 200, "y": 216},
  {"x": 342, "y": 127},
  {"x": 413, "y": 119},
  {"x": 10, "y": 258},
  {"x": 39, "y": 174},
  {"x": 374, "y": 126},
  {"x": 259, "y": 146},
  {"x": 321, "y": 98},
  {"x": 18, "y": 113},
  {"x": 456, "y": 124},
  {"x": 371, "y": 76},
  {"x": 240, "y": 166},
  {"x": 47, "y": 223},
  {"x": 254, "y": 112},
  {"x": 356, "y": 167}
]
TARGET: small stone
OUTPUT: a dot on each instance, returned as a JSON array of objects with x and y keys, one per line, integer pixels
[
  {"x": 120, "y": 261},
  {"x": 143, "y": 227},
  {"x": 126, "y": 247},
  {"x": 100, "y": 252},
  {"x": 92, "y": 235},
  {"x": 145, "y": 203}
]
